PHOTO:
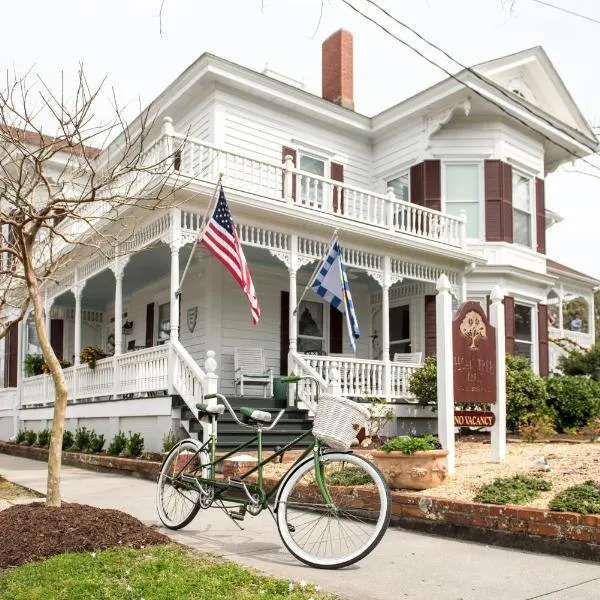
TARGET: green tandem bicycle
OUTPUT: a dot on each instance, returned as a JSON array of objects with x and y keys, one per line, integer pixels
[{"x": 331, "y": 507}]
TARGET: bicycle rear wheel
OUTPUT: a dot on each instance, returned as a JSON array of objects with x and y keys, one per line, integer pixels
[
  {"x": 177, "y": 501},
  {"x": 334, "y": 534}
]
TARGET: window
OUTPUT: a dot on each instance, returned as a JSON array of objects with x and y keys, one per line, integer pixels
[
  {"x": 164, "y": 322},
  {"x": 399, "y": 330},
  {"x": 311, "y": 190},
  {"x": 310, "y": 328},
  {"x": 33, "y": 344},
  {"x": 522, "y": 214},
  {"x": 400, "y": 185},
  {"x": 463, "y": 192},
  {"x": 524, "y": 331}
]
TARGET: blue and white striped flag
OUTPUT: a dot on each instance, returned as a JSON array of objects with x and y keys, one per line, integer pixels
[{"x": 331, "y": 283}]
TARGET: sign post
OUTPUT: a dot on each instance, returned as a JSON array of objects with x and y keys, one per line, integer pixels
[{"x": 499, "y": 428}]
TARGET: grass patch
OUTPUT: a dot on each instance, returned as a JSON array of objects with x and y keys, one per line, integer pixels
[
  {"x": 518, "y": 489},
  {"x": 157, "y": 573},
  {"x": 349, "y": 476},
  {"x": 583, "y": 498},
  {"x": 11, "y": 491}
]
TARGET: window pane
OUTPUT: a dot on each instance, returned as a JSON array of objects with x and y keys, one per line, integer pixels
[
  {"x": 310, "y": 321},
  {"x": 310, "y": 346},
  {"x": 523, "y": 322},
  {"x": 312, "y": 165},
  {"x": 524, "y": 349},
  {"x": 521, "y": 192},
  {"x": 472, "y": 213},
  {"x": 462, "y": 183},
  {"x": 521, "y": 228},
  {"x": 400, "y": 187},
  {"x": 164, "y": 322},
  {"x": 399, "y": 323},
  {"x": 401, "y": 348}
]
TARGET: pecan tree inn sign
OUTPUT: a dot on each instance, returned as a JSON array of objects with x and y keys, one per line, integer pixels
[{"x": 471, "y": 368}]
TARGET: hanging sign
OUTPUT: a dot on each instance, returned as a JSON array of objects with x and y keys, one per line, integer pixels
[{"x": 474, "y": 418}]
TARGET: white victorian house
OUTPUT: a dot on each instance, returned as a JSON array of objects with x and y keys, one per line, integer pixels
[{"x": 450, "y": 181}]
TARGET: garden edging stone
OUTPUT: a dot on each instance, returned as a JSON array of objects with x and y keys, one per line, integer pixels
[{"x": 539, "y": 530}]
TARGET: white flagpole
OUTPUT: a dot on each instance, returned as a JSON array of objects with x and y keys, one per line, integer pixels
[
  {"x": 199, "y": 237},
  {"x": 333, "y": 237}
]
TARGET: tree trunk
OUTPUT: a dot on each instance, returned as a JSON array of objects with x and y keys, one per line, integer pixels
[{"x": 60, "y": 394}]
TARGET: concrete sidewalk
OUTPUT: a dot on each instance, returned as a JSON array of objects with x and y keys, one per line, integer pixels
[{"x": 404, "y": 565}]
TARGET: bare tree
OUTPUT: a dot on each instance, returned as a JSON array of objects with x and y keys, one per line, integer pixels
[{"x": 60, "y": 192}]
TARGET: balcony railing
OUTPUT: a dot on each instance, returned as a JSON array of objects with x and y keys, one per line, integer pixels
[
  {"x": 585, "y": 340},
  {"x": 283, "y": 183}
]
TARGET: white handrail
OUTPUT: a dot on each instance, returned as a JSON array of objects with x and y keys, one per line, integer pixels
[
  {"x": 299, "y": 366},
  {"x": 187, "y": 377}
]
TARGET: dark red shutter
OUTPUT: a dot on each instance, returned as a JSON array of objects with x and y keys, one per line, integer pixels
[
  {"x": 433, "y": 184},
  {"x": 150, "y": 325},
  {"x": 540, "y": 212},
  {"x": 337, "y": 174},
  {"x": 336, "y": 330},
  {"x": 430, "y": 326},
  {"x": 11, "y": 353},
  {"x": 498, "y": 201},
  {"x": 543, "y": 339},
  {"x": 284, "y": 336},
  {"x": 291, "y": 152},
  {"x": 56, "y": 336},
  {"x": 509, "y": 324},
  {"x": 417, "y": 184}
]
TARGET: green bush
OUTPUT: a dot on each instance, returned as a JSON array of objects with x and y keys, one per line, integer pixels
[
  {"x": 96, "y": 441},
  {"x": 20, "y": 437},
  {"x": 525, "y": 392},
  {"x": 583, "y": 498},
  {"x": 30, "y": 437},
  {"x": 82, "y": 439},
  {"x": 579, "y": 362},
  {"x": 423, "y": 382},
  {"x": 135, "y": 445},
  {"x": 168, "y": 442},
  {"x": 409, "y": 445},
  {"x": 537, "y": 426},
  {"x": 68, "y": 439},
  {"x": 43, "y": 438},
  {"x": 575, "y": 400},
  {"x": 117, "y": 444},
  {"x": 33, "y": 364},
  {"x": 518, "y": 489}
]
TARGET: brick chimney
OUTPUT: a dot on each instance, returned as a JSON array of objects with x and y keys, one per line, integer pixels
[{"x": 338, "y": 69}]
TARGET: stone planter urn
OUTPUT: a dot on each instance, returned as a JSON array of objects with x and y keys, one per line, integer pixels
[{"x": 418, "y": 471}]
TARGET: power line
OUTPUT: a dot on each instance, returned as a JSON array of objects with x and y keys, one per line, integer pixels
[
  {"x": 569, "y": 12},
  {"x": 468, "y": 69}
]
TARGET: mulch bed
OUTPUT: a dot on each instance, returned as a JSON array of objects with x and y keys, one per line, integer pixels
[{"x": 35, "y": 531}]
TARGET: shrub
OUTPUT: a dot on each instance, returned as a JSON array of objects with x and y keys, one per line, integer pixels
[
  {"x": 538, "y": 426},
  {"x": 575, "y": 400},
  {"x": 43, "y": 438},
  {"x": 583, "y": 498},
  {"x": 423, "y": 382},
  {"x": 20, "y": 437},
  {"x": 409, "y": 445},
  {"x": 29, "y": 437},
  {"x": 592, "y": 429},
  {"x": 135, "y": 445},
  {"x": 518, "y": 489},
  {"x": 68, "y": 439},
  {"x": 349, "y": 476},
  {"x": 579, "y": 362},
  {"x": 82, "y": 439},
  {"x": 91, "y": 354},
  {"x": 525, "y": 392},
  {"x": 33, "y": 364},
  {"x": 117, "y": 444},
  {"x": 96, "y": 441},
  {"x": 168, "y": 442}
]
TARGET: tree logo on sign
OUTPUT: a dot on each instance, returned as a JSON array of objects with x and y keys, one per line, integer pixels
[{"x": 473, "y": 328}]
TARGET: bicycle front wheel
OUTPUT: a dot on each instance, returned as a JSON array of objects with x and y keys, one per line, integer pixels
[
  {"x": 339, "y": 530},
  {"x": 177, "y": 501}
]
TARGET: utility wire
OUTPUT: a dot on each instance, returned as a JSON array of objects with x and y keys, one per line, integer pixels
[
  {"x": 465, "y": 84},
  {"x": 569, "y": 12}
]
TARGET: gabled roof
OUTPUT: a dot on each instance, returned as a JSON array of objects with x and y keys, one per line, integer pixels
[
  {"x": 26, "y": 136},
  {"x": 561, "y": 269}
]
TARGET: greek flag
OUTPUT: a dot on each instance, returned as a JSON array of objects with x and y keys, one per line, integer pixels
[{"x": 331, "y": 283}]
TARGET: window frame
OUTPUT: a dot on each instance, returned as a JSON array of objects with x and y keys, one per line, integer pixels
[
  {"x": 533, "y": 342},
  {"x": 325, "y": 332},
  {"x": 532, "y": 207},
  {"x": 477, "y": 162},
  {"x": 399, "y": 174},
  {"x": 407, "y": 340},
  {"x": 159, "y": 340},
  {"x": 320, "y": 201}
]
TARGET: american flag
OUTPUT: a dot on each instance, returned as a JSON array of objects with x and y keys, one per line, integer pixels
[{"x": 220, "y": 237}]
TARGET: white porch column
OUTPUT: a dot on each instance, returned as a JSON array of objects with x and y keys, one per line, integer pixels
[
  {"x": 591, "y": 319},
  {"x": 77, "y": 290},
  {"x": 292, "y": 269},
  {"x": 48, "y": 302},
  {"x": 499, "y": 409},
  {"x": 561, "y": 324},
  {"x": 175, "y": 245},
  {"x": 385, "y": 326},
  {"x": 445, "y": 375},
  {"x": 118, "y": 268}
]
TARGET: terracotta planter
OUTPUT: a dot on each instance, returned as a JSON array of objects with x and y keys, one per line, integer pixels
[{"x": 418, "y": 471}]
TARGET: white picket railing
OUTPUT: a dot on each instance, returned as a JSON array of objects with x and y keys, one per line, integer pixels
[
  {"x": 8, "y": 397},
  {"x": 582, "y": 339},
  {"x": 188, "y": 377},
  {"x": 282, "y": 182},
  {"x": 399, "y": 381}
]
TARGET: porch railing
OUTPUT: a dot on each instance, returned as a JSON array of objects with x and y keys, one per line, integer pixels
[
  {"x": 8, "y": 397},
  {"x": 282, "y": 182},
  {"x": 579, "y": 337}
]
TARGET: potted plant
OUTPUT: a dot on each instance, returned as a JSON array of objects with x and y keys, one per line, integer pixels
[
  {"x": 414, "y": 463},
  {"x": 33, "y": 365},
  {"x": 91, "y": 354}
]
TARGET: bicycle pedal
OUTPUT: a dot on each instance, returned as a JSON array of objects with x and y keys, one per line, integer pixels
[{"x": 238, "y": 516}]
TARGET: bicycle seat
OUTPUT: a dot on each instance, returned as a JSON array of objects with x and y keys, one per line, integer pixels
[
  {"x": 257, "y": 416},
  {"x": 205, "y": 409}
]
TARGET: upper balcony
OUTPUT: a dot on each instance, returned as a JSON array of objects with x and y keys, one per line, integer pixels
[{"x": 282, "y": 184}]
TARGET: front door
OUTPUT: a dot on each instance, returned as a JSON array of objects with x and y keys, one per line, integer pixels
[{"x": 399, "y": 330}]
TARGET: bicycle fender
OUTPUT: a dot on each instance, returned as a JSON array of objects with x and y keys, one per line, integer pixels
[{"x": 296, "y": 467}]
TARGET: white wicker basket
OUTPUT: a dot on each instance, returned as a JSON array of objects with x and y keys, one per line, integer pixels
[{"x": 338, "y": 420}]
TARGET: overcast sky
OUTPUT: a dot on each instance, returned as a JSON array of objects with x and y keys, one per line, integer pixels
[{"x": 122, "y": 41}]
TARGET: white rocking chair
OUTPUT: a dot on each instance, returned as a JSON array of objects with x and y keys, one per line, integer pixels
[{"x": 249, "y": 365}]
